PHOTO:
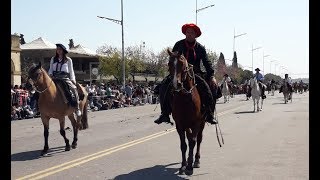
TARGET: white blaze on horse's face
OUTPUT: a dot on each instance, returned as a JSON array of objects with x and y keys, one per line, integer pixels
[{"x": 175, "y": 80}]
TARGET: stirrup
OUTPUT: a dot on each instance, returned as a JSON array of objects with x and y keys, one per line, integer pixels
[
  {"x": 210, "y": 120},
  {"x": 163, "y": 118},
  {"x": 78, "y": 112}
]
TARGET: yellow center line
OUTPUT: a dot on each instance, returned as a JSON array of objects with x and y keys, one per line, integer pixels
[{"x": 79, "y": 161}]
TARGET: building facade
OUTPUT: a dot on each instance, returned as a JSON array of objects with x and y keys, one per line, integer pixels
[{"x": 15, "y": 60}]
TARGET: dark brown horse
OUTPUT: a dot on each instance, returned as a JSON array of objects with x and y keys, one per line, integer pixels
[
  {"x": 52, "y": 105},
  {"x": 186, "y": 110}
]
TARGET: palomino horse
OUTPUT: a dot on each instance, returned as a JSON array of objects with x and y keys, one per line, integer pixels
[
  {"x": 286, "y": 93},
  {"x": 186, "y": 110},
  {"x": 225, "y": 91},
  {"x": 256, "y": 94},
  {"x": 52, "y": 105}
]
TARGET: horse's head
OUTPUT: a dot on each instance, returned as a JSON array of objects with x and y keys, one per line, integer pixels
[
  {"x": 179, "y": 69},
  {"x": 35, "y": 76},
  {"x": 253, "y": 82}
]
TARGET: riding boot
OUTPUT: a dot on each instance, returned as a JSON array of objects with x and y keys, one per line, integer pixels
[
  {"x": 78, "y": 112},
  {"x": 219, "y": 92},
  {"x": 206, "y": 99},
  {"x": 262, "y": 90},
  {"x": 164, "y": 96}
]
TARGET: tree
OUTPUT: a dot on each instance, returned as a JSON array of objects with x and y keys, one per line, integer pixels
[
  {"x": 235, "y": 60},
  {"x": 26, "y": 64},
  {"x": 221, "y": 67},
  {"x": 111, "y": 63},
  {"x": 162, "y": 63},
  {"x": 213, "y": 57},
  {"x": 245, "y": 74},
  {"x": 269, "y": 77},
  {"x": 234, "y": 74},
  {"x": 135, "y": 60}
]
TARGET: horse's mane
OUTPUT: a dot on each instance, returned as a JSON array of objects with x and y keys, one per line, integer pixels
[{"x": 35, "y": 67}]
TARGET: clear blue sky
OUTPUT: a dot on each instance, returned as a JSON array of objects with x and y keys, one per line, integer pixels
[{"x": 280, "y": 27}]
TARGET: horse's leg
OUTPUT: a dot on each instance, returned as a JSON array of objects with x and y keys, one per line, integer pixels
[
  {"x": 196, "y": 163},
  {"x": 63, "y": 133},
  {"x": 45, "y": 122},
  {"x": 183, "y": 147},
  {"x": 192, "y": 143},
  {"x": 75, "y": 131},
  {"x": 254, "y": 104},
  {"x": 258, "y": 108}
]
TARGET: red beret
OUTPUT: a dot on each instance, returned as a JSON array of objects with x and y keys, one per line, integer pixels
[{"x": 193, "y": 26}]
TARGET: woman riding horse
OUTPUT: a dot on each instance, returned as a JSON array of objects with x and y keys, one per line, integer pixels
[
  {"x": 61, "y": 67},
  {"x": 194, "y": 52},
  {"x": 52, "y": 99}
]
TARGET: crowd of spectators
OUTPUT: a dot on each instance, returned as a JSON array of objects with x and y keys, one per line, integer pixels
[{"x": 100, "y": 96}]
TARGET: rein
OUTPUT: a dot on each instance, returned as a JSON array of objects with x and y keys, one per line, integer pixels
[
  {"x": 35, "y": 82},
  {"x": 187, "y": 71}
]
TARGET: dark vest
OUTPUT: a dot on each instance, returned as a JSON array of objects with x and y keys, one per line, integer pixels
[{"x": 57, "y": 73}]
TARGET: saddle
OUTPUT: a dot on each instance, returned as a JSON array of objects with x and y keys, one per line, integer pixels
[{"x": 67, "y": 91}]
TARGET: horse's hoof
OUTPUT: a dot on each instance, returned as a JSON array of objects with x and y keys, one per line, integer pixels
[
  {"x": 44, "y": 152},
  {"x": 182, "y": 170},
  {"x": 189, "y": 172},
  {"x": 74, "y": 145},
  {"x": 196, "y": 164},
  {"x": 67, "y": 148}
]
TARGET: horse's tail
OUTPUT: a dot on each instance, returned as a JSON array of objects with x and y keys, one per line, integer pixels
[{"x": 84, "y": 118}]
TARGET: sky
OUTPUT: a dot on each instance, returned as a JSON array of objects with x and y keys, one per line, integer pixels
[{"x": 280, "y": 28}]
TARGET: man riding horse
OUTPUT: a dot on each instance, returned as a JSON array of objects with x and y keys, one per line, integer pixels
[
  {"x": 194, "y": 52},
  {"x": 260, "y": 78},
  {"x": 61, "y": 68},
  {"x": 288, "y": 81}
]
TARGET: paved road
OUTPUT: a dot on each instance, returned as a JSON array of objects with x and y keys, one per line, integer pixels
[{"x": 126, "y": 144}]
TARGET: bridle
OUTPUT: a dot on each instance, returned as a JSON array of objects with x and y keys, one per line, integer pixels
[
  {"x": 35, "y": 82},
  {"x": 188, "y": 71}
]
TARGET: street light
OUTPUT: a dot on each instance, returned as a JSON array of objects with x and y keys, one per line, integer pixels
[
  {"x": 270, "y": 65},
  {"x": 252, "y": 55},
  {"x": 121, "y": 23},
  {"x": 235, "y": 36},
  {"x": 142, "y": 46},
  {"x": 197, "y": 10},
  {"x": 283, "y": 70},
  {"x": 275, "y": 68},
  {"x": 263, "y": 61}
]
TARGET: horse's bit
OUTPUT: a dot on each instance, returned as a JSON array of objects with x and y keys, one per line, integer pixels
[
  {"x": 187, "y": 73},
  {"x": 35, "y": 83}
]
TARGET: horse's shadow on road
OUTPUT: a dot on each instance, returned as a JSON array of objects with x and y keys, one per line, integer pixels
[
  {"x": 156, "y": 172},
  {"x": 278, "y": 103},
  {"x": 243, "y": 112},
  {"x": 36, "y": 154}
]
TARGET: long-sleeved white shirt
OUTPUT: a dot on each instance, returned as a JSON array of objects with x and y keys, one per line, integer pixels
[{"x": 66, "y": 67}]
